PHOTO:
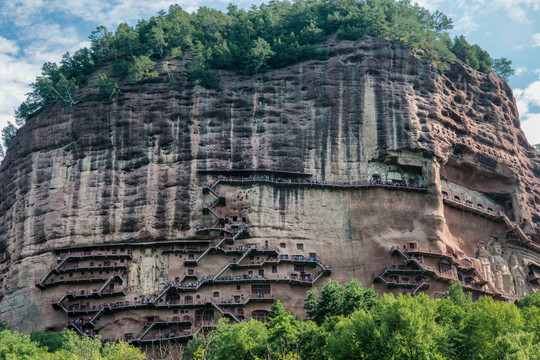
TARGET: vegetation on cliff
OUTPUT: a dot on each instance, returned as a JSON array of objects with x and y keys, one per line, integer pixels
[
  {"x": 354, "y": 325},
  {"x": 273, "y": 35}
]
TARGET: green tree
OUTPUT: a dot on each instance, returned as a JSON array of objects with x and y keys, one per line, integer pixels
[
  {"x": 47, "y": 339},
  {"x": 357, "y": 337},
  {"x": 8, "y": 133},
  {"x": 465, "y": 51},
  {"x": 330, "y": 302},
  {"x": 126, "y": 40},
  {"x": 455, "y": 293},
  {"x": 409, "y": 328},
  {"x": 122, "y": 351},
  {"x": 102, "y": 45},
  {"x": 503, "y": 68},
  {"x": 142, "y": 70},
  {"x": 285, "y": 332},
  {"x": 108, "y": 88},
  {"x": 358, "y": 297},
  {"x": 258, "y": 56},
  {"x": 14, "y": 345},
  {"x": 82, "y": 347},
  {"x": 486, "y": 324}
]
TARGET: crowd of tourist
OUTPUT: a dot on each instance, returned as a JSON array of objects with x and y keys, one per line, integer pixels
[{"x": 373, "y": 182}]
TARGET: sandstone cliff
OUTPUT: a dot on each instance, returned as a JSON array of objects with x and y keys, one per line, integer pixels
[{"x": 131, "y": 171}]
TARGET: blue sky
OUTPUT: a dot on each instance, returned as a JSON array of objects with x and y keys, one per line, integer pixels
[{"x": 35, "y": 31}]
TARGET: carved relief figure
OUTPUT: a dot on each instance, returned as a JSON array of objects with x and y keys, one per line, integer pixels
[
  {"x": 147, "y": 272},
  {"x": 483, "y": 256},
  {"x": 133, "y": 276},
  {"x": 519, "y": 276},
  {"x": 501, "y": 273}
]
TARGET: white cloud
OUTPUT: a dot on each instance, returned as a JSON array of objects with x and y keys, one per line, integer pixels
[
  {"x": 531, "y": 127},
  {"x": 431, "y": 5},
  {"x": 536, "y": 40},
  {"x": 8, "y": 47},
  {"x": 521, "y": 70},
  {"x": 531, "y": 94},
  {"x": 526, "y": 99}
]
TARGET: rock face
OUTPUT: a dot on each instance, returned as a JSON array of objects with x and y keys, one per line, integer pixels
[{"x": 370, "y": 164}]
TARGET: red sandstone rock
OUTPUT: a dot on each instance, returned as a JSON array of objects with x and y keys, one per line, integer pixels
[{"x": 128, "y": 171}]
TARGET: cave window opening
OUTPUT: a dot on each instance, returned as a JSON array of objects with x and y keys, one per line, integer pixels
[
  {"x": 480, "y": 206},
  {"x": 444, "y": 193},
  {"x": 274, "y": 269},
  {"x": 282, "y": 245},
  {"x": 376, "y": 178},
  {"x": 244, "y": 219},
  {"x": 457, "y": 198},
  {"x": 235, "y": 218},
  {"x": 172, "y": 298},
  {"x": 215, "y": 294},
  {"x": 260, "y": 315},
  {"x": 176, "y": 318},
  {"x": 261, "y": 272},
  {"x": 188, "y": 299},
  {"x": 300, "y": 246},
  {"x": 260, "y": 289}
]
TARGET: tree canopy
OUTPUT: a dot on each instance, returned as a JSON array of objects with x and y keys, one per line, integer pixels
[
  {"x": 390, "y": 328},
  {"x": 272, "y": 35},
  {"x": 66, "y": 345}
]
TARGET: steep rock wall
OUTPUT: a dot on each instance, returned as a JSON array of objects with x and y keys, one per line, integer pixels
[{"x": 130, "y": 171}]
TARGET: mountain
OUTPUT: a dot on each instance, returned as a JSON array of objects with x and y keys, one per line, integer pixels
[{"x": 174, "y": 205}]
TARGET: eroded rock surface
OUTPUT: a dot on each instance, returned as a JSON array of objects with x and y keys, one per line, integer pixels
[{"x": 131, "y": 171}]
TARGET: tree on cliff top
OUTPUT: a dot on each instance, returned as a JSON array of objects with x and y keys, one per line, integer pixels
[{"x": 272, "y": 35}]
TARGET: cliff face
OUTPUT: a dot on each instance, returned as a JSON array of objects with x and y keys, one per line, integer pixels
[{"x": 131, "y": 172}]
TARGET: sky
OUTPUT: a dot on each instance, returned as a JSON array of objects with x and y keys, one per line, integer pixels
[{"x": 36, "y": 31}]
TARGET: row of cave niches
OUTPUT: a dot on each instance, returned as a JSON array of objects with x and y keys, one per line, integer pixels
[
  {"x": 170, "y": 291},
  {"x": 497, "y": 269},
  {"x": 494, "y": 272}
]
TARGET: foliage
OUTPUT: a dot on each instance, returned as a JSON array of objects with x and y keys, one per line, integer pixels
[
  {"x": 108, "y": 88},
  {"x": 530, "y": 300},
  {"x": 14, "y": 345},
  {"x": 335, "y": 299},
  {"x": 391, "y": 328},
  {"x": 47, "y": 339},
  {"x": 272, "y": 35},
  {"x": 503, "y": 68},
  {"x": 537, "y": 147},
  {"x": 67, "y": 345},
  {"x": 8, "y": 133},
  {"x": 141, "y": 70}
]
